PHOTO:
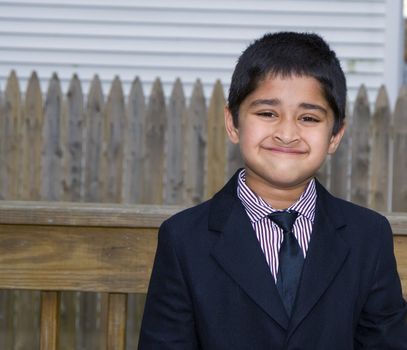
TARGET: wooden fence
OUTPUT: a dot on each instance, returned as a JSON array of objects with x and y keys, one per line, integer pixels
[
  {"x": 57, "y": 146},
  {"x": 71, "y": 147}
]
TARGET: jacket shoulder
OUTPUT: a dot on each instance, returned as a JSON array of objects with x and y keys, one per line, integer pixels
[
  {"x": 361, "y": 213},
  {"x": 343, "y": 210},
  {"x": 188, "y": 219}
]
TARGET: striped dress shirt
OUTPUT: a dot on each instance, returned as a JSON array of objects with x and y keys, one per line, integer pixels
[{"x": 269, "y": 235}]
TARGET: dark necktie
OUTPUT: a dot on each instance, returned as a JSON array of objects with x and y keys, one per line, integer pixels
[{"x": 291, "y": 258}]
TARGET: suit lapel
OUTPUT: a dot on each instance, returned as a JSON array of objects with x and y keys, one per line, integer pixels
[
  {"x": 239, "y": 254},
  {"x": 326, "y": 254}
]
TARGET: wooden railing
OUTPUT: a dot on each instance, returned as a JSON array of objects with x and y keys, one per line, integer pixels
[{"x": 54, "y": 247}]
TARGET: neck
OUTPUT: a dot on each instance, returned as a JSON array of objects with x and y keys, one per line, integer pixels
[{"x": 277, "y": 197}]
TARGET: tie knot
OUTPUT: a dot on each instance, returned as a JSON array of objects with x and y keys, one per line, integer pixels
[{"x": 284, "y": 219}]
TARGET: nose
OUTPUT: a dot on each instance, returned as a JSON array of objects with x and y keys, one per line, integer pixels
[{"x": 286, "y": 131}]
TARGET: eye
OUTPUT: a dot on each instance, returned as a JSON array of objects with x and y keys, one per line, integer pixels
[
  {"x": 267, "y": 114},
  {"x": 309, "y": 118}
]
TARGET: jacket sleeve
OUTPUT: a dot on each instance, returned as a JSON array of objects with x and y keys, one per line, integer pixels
[
  {"x": 383, "y": 323},
  {"x": 168, "y": 321}
]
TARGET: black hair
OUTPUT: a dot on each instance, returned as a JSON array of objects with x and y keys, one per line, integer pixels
[{"x": 286, "y": 54}]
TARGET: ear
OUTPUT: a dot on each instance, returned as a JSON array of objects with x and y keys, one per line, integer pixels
[
  {"x": 336, "y": 139},
  {"x": 232, "y": 131}
]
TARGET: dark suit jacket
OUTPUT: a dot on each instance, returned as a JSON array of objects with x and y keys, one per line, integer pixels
[{"x": 211, "y": 287}]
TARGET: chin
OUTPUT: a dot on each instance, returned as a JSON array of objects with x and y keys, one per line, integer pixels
[{"x": 289, "y": 183}]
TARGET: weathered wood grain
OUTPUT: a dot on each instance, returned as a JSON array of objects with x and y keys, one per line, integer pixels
[
  {"x": 49, "y": 320},
  {"x": 74, "y": 147},
  {"x": 360, "y": 152},
  {"x": 7, "y": 329},
  {"x": 400, "y": 155},
  {"x": 216, "y": 146},
  {"x": 10, "y": 169},
  {"x": 32, "y": 141},
  {"x": 25, "y": 303},
  {"x": 400, "y": 250},
  {"x": 135, "y": 150},
  {"x": 115, "y": 124},
  {"x": 135, "y": 311},
  {"x": 380, "y": 153},
  {"x": 26, "y": 319},
  {"x": 94, "y": 142},
  {"x": 174, "y": 150},
  {"x": 52, "y": 155},
  {"x": 98, "y": 259},
  {"x": 84, "y": 214},
  {"x": 2, "y": 146},
  {"x": 340, "y": 164},
  {"x": 133, "y": 181},
  {"x": 156, "y": 123},
  {"x": 195, "y": 147},
  {"x": 234, "y": 159},
  {"x": 398, "y": 222},
  {"x": 116, "y": 329},
  {"x": 68, "y": 320}
]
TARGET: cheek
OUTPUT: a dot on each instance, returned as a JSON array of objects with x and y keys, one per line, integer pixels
[
  {"x": 321, "y": 137},
  {"x": 252, "y": 134}
]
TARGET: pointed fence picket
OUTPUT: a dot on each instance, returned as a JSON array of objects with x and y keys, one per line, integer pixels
[
  {"x": 399, "y": 134},
  {"x": 340, "y": 167},
  {"x": 94, "y": 126},
  {"x": 156, "y": 123},
  {"x": 135, "y": 152},
  {"x": 216, "y": 142},
  {"x": 380, "y": 153},
  {"x": 195, "y": 140},
  {"x": 360, "y": 151},
  {"x": 31, "y": 143},
  {"x": 73, "y": 147},
  {"x": 52, "y": 175},
  {"x": 174, "y": 151},
  {"x": 11, "y": 139},
  {"x": 120, "y": 149}
]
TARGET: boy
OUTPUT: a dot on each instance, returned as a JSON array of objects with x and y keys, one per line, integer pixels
[{"x": 273, "y": 261}]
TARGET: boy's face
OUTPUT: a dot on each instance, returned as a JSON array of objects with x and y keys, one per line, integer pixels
[{"x": 284, "y": 132}]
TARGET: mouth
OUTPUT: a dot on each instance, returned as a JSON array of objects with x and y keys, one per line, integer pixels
[{"x": 285, "y": 150}]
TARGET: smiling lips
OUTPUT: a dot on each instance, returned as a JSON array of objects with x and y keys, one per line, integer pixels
[{"x": 285, "y": 150}]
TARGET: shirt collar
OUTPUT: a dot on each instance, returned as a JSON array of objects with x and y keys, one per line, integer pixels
[{"x": 257, "y": 208}]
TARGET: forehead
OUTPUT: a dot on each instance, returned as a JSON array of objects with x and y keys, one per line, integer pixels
[{"x": 290, "y": 90}]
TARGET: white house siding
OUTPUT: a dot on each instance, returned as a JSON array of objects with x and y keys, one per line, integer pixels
[{"x": 189, "y": 39}]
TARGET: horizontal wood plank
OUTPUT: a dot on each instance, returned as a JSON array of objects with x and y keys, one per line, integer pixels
[
  {"x": 112, "y": 215},
  {"x": 84, "y": 214},
  {"x": 99, "y": 259}
]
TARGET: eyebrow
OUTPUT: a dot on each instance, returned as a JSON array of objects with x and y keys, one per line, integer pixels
[
  {"x": 276, "y": 102},
  {"x": 268, "y": 101},
  {"x": 312, "y": 106}
]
